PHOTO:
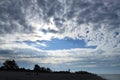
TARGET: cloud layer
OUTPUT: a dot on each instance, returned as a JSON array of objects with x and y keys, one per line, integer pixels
[{"x": 95, "y": 22}]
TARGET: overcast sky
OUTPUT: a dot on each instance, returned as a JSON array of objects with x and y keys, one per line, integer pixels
[{"x": 61, "y": 34}]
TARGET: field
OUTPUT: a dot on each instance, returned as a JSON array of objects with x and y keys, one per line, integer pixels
[{"x": 11, "y": 75}]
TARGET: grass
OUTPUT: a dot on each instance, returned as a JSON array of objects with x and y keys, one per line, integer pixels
[{"x": 15, "y": 75}]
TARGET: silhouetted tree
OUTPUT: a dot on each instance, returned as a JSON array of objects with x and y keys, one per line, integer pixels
[
  {"x": 43, "y": 69},
  {"x": 36, "y": 67},
  {"x": 82, "y": 72},
  {"x": 49, "y": 70},
  {"x": 10, "y": 65}
]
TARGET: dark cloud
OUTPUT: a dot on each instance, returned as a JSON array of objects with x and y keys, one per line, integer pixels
[
  {"x": 26, "y": 16},
  {"x": 98, "y": 12},
  {"x": 6, "y": 52},
  {"x": 12, "y": 19},
  {"x": 19, "y": 53},
  {"x": 85, "y": 11},
  {"x": 95, "y": 62},
  {"x": 49, "y": 30}
]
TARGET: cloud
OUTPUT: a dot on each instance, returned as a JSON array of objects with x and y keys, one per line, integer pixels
[
  {"x": 95, "y": 22},
  {"x": 73, "y": 57}
]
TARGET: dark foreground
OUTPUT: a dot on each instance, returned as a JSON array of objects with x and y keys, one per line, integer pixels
[{"x": 10, "y": 75}]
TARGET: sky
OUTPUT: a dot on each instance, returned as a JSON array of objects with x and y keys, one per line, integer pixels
[{"x": 61, "y": 34}]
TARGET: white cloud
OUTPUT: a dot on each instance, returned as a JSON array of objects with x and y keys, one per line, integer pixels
[
  {"x": 96, "y": 22},
  {"x": 94, "y": 33},
  {"x": 14, "y": 46},
  {"x": 85, "y": 57}
]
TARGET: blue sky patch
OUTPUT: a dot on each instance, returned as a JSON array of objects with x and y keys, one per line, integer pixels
[{"x": 60, "y": 44}]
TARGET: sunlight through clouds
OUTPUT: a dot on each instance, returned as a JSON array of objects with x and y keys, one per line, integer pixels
[{"x": 29, "y": 28}]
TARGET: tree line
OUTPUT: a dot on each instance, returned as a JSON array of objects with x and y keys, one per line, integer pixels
[{"x": 11, "y": 65}]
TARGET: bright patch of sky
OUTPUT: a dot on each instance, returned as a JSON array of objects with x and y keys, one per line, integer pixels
[{"x": 59, "y": 44}]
